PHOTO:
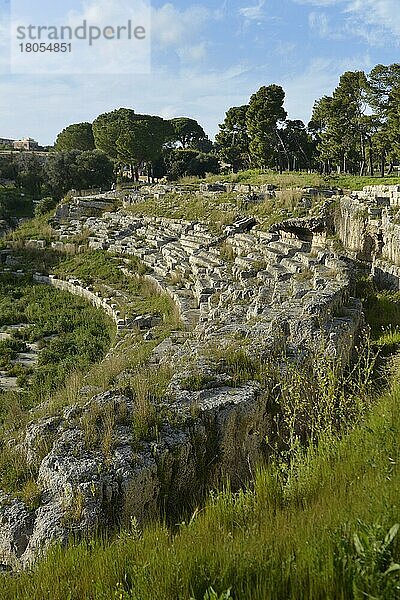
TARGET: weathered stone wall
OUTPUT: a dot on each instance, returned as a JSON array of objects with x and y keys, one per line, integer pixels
[
  {"x": 77, "y": 289},
  {"x": 353, "y": 227},
  {"x": 367, "y": 224},
  {"x": 390, "y": 238}
]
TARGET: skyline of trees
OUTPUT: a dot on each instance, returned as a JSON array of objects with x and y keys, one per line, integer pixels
[{"x": 354, "y": 130}]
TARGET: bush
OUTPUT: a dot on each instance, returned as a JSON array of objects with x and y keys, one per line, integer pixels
[{"x": 44, "y": 206}]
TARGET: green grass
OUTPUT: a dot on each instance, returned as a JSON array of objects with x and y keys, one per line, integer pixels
[
  {"x": 382, "y": 311},
  {"x": 318, "y": 534},
  {"x": 91, "y": 267},
  {"x": 219, "y": 210},
  {"x": 223, "y": 209},
  {"x": 301, "y": 179},
  {"x": 71, "y": 333},
  {"x": 37, "y": 228}
]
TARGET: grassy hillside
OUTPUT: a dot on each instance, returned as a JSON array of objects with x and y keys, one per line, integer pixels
[
  {"x": 322, "y": 532},
  {"x": 318, "y": 523}
]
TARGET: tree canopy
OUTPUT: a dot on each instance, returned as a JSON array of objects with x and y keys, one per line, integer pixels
[
  {"x": 264, "y": 113},
  {"x": 187, "y": 132},
  {"x": 130, "y": 138},
  {"x": 78, "y": 136},
  {"x": 233, "y": 139}
]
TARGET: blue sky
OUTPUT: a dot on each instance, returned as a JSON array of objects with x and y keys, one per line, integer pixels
[{"x": 206, "y": 57}]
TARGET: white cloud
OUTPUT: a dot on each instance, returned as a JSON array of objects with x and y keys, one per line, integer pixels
[
  {"x": 319, "y": 22},
  {"x": 194, "y": 53},
  {"x": 182, "y": 30},
  {"x": 170, "y": 26},
  {"x": 254, "y": 13},
  {"x": 383, "y": 13},
  {"x": 321, "y": 2},
  {"x": 369, "y": 19}
]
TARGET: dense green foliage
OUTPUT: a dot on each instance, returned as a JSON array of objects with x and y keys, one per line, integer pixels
[
  {"x": 232, "y": 141},
  {"x": 187, "y": 132},
  {"x": 14, "y": 204},
  {"x": 78, "y": 136},
  {"x": 65, "y": 171},
  {"x": 35, "y": 177},
  {"x": 130, "y": 138},
  {"x": 263, "y": 115},
  {"x": 179, "y": 163}
]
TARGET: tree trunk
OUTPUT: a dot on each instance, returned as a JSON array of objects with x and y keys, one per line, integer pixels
[
  {"x": 371, "y": 157},
  {"x": 363, "y": 156},
  {"x": 383, "y": 164}
]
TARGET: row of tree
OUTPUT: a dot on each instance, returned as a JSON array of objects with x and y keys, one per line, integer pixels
[
  {"x": 149, "y": 143},
  {"x": 358, "y": 127},
  {"x": 355, "y": 130},
  {"x": 57, "y": 173}
]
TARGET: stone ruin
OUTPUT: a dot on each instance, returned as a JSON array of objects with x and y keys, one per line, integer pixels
[
  {"x": 286, "y": 290},
  {"x": 368, "y": 225}
]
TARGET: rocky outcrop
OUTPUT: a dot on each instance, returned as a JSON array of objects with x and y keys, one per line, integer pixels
[
  {"x": 83, "y": 206},
  {"x": 366, "y": 222},
  {"x": 86, "y": 485}
]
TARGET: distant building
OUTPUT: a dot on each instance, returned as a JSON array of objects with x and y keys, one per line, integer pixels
[
  {"x": 6, "y": 142},
  {"x": 26, "y": 144}
]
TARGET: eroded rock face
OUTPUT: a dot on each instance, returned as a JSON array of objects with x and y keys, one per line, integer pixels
[
  {"x": 367, "y": 224},
  {"x": 86, "y": 488},
  {"x": 16, "y": 526}
]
